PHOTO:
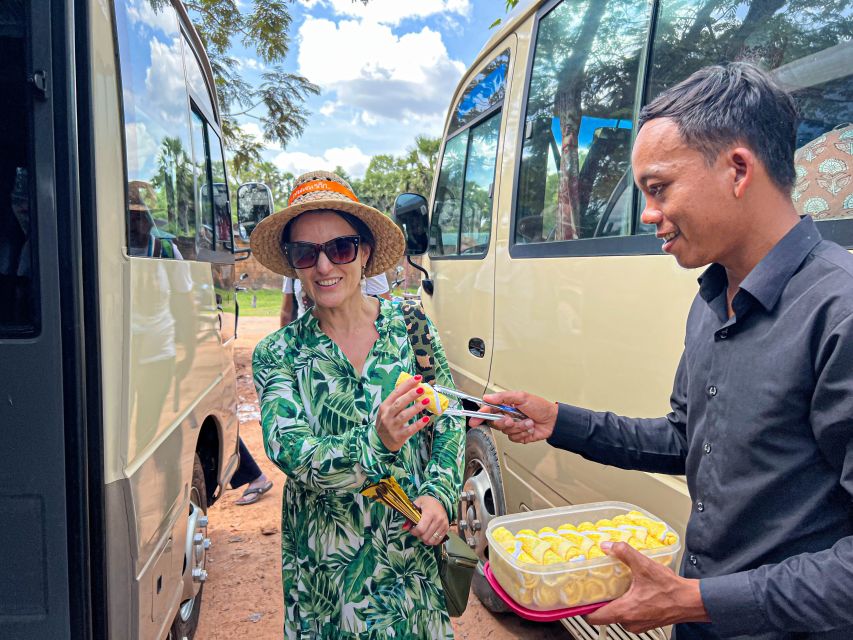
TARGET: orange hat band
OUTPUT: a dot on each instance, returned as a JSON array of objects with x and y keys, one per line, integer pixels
[{"x": 320, "y": 185}]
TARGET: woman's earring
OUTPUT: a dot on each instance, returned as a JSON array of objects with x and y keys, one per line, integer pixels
[{"x": 363, "y": 269}]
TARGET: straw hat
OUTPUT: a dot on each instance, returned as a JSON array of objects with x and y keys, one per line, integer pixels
[{"x": 318, "y": 190}]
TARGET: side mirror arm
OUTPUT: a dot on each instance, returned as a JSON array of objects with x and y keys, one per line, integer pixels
[{"x": 242, "y": 254}]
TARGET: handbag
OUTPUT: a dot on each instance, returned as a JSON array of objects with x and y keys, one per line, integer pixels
[{"x": 456, "y": 560}]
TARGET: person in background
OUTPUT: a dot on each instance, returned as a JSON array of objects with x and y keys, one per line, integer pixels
[
  {"x": 762, "y": 404},
  {"x": 294, "y": 297}
]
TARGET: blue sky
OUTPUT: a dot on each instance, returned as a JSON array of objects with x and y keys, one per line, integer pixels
[{"x": 386, "y": 72}]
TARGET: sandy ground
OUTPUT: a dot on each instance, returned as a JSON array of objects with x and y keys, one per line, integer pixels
[{"x": 242, "y": 597}]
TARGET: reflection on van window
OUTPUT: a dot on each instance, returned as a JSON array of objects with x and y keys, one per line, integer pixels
[
  {"x": 575, "y": 179},
  {"x": 221, "y": 204},
  {"x": 17, "y": 243},
  {"x": 444, "y": 229},
  {"x": 479, "y": 184},
  {"x": 159, "y": 155},
  {"x": 195, "y": 79},
  {"x": 484, "y": 92},
  {"x": 808, "y": 45}
]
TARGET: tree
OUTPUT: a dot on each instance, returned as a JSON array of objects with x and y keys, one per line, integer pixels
[{"x": 262, "y": 26}]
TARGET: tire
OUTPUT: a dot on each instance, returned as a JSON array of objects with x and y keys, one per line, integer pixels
[
  {"x": 186, "y": 621},
  {"x": 483, "y": 499}
]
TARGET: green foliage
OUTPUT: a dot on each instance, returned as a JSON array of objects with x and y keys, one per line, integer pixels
[
  {"x": 262, "y": 26},
  {"x": 510, "y": 5}
]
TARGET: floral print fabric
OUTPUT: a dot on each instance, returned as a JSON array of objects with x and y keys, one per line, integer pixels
[{"x": 349, "y": 570}]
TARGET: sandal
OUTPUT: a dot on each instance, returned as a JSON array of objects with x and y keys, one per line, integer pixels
[{"x": 252, "y": 495}]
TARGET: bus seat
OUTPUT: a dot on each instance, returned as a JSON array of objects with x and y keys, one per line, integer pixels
[{"x": 824, "y": 175}]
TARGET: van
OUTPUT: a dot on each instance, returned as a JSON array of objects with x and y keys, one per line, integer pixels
[
  {"x": 541, "y": 276},
  {"x": 117, "y": 319}
]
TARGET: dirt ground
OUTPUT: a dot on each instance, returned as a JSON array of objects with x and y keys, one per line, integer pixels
[{"x": 242, "y": 596}]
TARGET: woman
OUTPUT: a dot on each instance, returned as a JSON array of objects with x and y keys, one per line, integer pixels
[{"x": 334, "y": 423}]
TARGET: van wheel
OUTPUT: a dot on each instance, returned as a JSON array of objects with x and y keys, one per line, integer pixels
[
  {"x": 195, "y": 558},
  {"x": 482, "y": 499}
]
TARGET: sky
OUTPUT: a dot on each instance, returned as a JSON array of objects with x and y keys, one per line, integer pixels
[{"x": 386, "y": 73}]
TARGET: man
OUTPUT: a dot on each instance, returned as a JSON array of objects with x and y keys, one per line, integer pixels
[
  {"x": 762, "y": 405},
  {"x": 295, "y": 298}
]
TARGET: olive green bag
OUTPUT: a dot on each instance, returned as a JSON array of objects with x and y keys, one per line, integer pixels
[{"x": 456, "y": 560}]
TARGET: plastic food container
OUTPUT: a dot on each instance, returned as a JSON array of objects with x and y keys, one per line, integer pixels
[{"x": 572, "y": 583}]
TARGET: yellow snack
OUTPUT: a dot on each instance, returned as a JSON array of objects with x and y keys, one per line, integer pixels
[
  {"x": 594, "y": 590},
  {"x": 573, "y": 553},
  {"x": 566, "y": 527},
  {"x": 653, "y": 543},
  {"x": 586, "y": 526},
  {"x": 595, "y": 552},
  {"x": 546, "y": 596},
  {"x": 524, "y": 597},
  {"x": 597, "y": 536},
  {"x": 526, "y": 532},
  {"x": 533, "y": 545},
  {"x": 546, "y": 530},
  {"x": 501, "y": 534},
  {"x": 616, "y": 534},
  {"x": 549, "y": 557},
  {"x": 437, "y": 402},
  {"x": 638, "y": 544},
  {"x": 618, "y": 584},
  {"x": 621, "y": 519},
  {"x": 604, "y": 522},
  {"x": 636, "y": 531},
  {"x": 578, "y": 540},
  {"x": 559, "y": 545},
  {"x": 572, "y": 592}
]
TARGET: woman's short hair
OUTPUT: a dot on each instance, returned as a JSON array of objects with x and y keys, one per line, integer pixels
[{"x": 725, "y": 104}]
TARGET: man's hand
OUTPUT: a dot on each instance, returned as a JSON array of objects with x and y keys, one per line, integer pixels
[
  {"x": 657, "y": 596},
  {"x": 542, "y": 416}
]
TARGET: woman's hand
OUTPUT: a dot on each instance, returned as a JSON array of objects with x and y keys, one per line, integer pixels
[
  {"x": 541, "y": 416},
  {"x": 434, "y": 524},
  {"x": 395, "y": 412}
]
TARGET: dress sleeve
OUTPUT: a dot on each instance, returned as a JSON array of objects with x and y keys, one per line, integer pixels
[
  {"x": 320, "y": 463},
  {"x": 656, "y": 445},
  {"x": 444, "y": 469}
]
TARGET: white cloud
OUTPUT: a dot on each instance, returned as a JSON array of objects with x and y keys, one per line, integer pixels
[
  {"x": 165, "y": 91},
  {"x": 351, "y": 158},
  {"x": 142, "y": 149},
  {"x": 329, "y": 108},
  {"x": 253, "y": 130},
  {"x": 393, "y": 12},
  {"x": 251, "y": 63},
  {"x": 372, "y": 69},
  {"x": 163, "y": 20}
]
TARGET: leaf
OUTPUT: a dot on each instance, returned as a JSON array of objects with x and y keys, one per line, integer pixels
[
  {"x": 359, "y": 571},
  {"x": 495, "y": 23}
]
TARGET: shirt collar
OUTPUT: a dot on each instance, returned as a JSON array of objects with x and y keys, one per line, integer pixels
[{"x": 769, "y": 277}]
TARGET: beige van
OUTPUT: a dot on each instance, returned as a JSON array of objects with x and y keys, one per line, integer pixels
[
  {"x": 117, "y": 319},
  {"x": 540, "y": 274}
]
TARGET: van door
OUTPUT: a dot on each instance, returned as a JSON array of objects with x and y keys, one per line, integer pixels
[
  {"x": 44, "y": 503},
  {"x": 462, "y": 253}
]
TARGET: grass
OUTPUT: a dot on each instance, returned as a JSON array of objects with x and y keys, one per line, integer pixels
[{"x": 267, "y": 302}]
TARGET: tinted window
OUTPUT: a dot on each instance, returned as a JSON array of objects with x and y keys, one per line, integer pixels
[
  {"x": 444, "y": 228},
  {"x": 221, "y": 206},
  {"x": 201, "y": 162},
  {"x": 479, "y": 184},
  {"x": 484, "y": 92},
  {"x": 195, "y": 79},
  {"x": 17, "y": 240},
  {"x": 161, "y": 211},
  {"x": 575, "y": 179},
  {"x": 808, "y": 45}
]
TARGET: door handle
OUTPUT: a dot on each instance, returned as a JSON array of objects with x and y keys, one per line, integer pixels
[{"x": 477, "y": 347}]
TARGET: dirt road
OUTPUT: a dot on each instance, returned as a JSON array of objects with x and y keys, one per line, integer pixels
[{"x": 242, "y": 597}]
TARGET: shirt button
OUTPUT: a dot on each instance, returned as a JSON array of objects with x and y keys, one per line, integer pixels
[
  {"x": 694, "y": 560},
  {"x": 700, "y": 506},
  {"x": 707, "y": 448},
  {"x": 712, "y": 391},
  {"x": 724, "y": 333}
]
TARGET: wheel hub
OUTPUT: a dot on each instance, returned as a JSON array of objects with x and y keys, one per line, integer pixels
[
  {"x": 195, "y": 555},
  {"x": 477, "y": 509}
]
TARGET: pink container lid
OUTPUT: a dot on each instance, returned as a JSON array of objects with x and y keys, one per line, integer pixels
[{"x": 538, "y": 616}]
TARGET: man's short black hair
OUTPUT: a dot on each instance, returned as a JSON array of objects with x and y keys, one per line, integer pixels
[{"x": 735, "y": 103}]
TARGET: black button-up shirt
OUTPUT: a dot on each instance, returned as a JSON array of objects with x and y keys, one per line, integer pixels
[{"x": 762, "y": 426}]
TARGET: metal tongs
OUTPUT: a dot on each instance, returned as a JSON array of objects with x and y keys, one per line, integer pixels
[{"x": 505, "y": 409}]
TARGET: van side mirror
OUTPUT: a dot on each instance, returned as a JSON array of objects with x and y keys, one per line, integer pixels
[
  {"x": 254, "y": 203},
  {"x": 411, "y": 215}
]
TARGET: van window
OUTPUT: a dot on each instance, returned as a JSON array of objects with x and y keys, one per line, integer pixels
[
  {"x": 462, "y": 213},
  {"x": 808, "y": 46},
  {"x": 574, "y": 179},
  {"x": 17, "y": 214},
  {"x": 486, "y": 90},
  {"x": 160, "y": 208},
  {"x": 195, "y": 79},
  {"x": 221, "y": 203},
  {"x": 201, "y": 161}
]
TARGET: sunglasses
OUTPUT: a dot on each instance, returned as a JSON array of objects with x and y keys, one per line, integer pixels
[{"x": 304, "y": 255}]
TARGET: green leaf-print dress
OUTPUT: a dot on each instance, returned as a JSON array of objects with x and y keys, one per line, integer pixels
[{"x": 348, "y": 569}]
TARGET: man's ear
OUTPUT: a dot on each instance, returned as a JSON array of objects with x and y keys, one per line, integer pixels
[{"x": 742, "y": 162}]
